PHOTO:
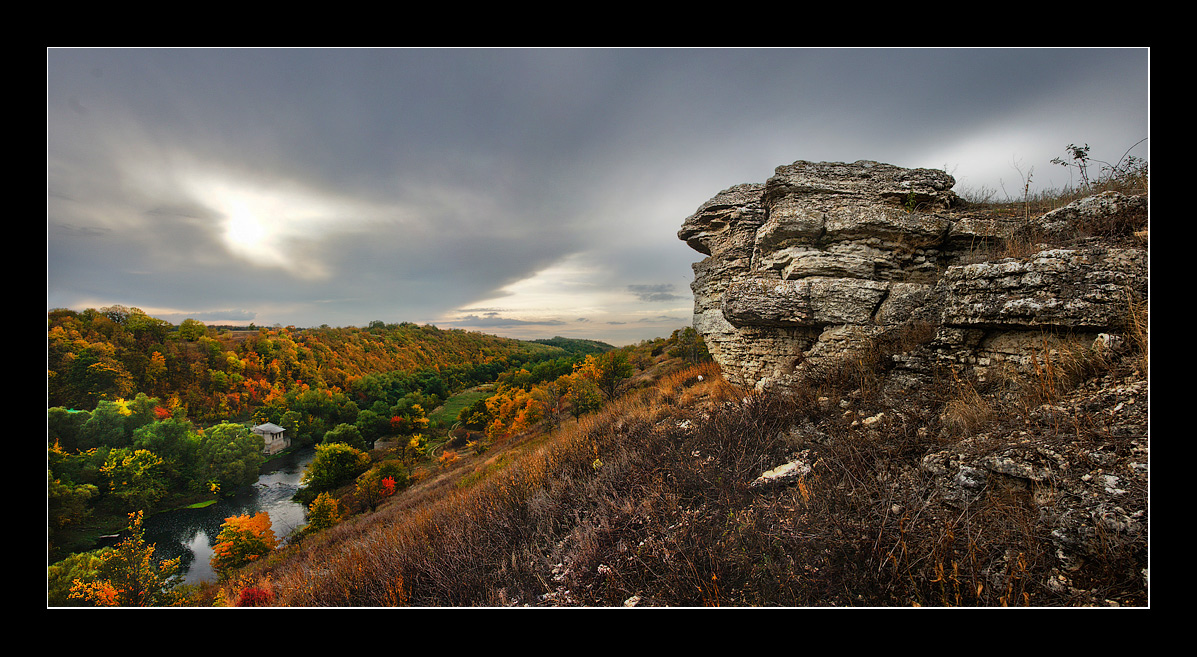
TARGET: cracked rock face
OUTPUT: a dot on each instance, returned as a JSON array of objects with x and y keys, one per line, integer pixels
[{"x": 824, "y": 255}]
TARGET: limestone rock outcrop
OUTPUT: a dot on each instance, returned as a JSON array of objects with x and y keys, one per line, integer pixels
[{"x": 823, "y": 256}]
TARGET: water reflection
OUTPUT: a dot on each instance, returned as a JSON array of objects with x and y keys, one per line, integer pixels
[{"x": 191, "y": 533}]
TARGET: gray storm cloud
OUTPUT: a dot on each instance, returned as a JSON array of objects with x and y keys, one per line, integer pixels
[{"x": 336, "y": 187}]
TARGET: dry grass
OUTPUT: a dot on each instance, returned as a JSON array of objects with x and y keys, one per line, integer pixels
[
  {"x": 966, "y": 410},
  {"x": 493, "y": 543},
  {"x": 1135, "y": 327},
  {"x": 652, "y": 500},
  {"x": 1027, "y": 238}
]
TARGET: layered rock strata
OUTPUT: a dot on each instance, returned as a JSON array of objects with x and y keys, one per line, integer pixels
[{"x": 809, "y": 265}]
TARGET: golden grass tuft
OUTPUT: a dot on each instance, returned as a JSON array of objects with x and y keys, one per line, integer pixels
[
  {"x": 1136, "y": 328},
  {"x": 967, "y": 411}
]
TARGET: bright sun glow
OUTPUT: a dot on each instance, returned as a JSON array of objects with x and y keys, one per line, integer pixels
[
  {"x": 278, "y": 223},
  {"x": 250, "y": 230},
  {"x": 249, "y": 237},
  {"x": 244, "y": 230}
]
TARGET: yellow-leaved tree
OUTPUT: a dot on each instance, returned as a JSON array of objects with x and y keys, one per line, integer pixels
[
  {"x": 323, "y": 512},
  {"x": 129, "y": 575}
]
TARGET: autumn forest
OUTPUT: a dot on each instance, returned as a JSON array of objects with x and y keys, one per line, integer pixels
[{"x": 145, "y": 416}]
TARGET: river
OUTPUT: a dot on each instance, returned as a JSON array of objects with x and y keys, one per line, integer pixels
[{"x": 191, "y": 533}]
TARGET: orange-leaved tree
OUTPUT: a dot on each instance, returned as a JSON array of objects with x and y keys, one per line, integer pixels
[
  {"x": 242, "y": 539},
  {"x": 513, "y": 410}
]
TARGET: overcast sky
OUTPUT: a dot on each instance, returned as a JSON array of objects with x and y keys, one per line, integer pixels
[{"x": 525, "y": 193}]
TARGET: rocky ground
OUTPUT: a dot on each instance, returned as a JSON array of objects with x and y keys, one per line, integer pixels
[{"x": 1018, "y": 413}]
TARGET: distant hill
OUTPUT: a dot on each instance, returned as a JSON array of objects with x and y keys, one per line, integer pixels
[
  {"x": 118, "y": 352},
  {"x": 577, "y": 346}
]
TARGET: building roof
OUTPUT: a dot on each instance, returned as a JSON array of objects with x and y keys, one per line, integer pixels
[{"x": 269, "y": 427}]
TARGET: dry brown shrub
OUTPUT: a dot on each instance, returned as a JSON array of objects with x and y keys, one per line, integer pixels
[
  {"x": 1056, "y": 367},
  {"x": 1135, "y": 327},
  {"x": 672, "y": 383},
  {"x": 967, "y": 411}
]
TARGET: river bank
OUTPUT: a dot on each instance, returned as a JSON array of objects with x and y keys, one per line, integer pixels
[{"x": 190, "y": 533}]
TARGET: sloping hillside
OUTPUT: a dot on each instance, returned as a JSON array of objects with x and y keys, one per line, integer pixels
[{"x": 659, "y": 500}]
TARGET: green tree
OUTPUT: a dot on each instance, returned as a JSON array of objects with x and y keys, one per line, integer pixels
[
  {"x": 84, "y": 566},
  {"x": 90, "y": 374},
  {"x": 291, "y": 421},
  {"x": 372, "y": 425},
  {"x": 394, "y": 469},
  {"x": 318, "y": 411},
  {"x": 175, "y": 440},
  {"x": 67, "y": 504},
  {"x": 408, "y": 417},
  {"x": 334, "y": 464},
  {"x": 613, "y": 369},
  {"x": 129, "y": 576},
  {"x": 145, "y": 329},
  {"x": 584, "y": 396},
  {"x": 62, "y": 427},
  {"x": 141, "y": 411},
  {"x": 415, "y": 448},
  {"x": 192, "y": 330},
  {"x": 370, "y": 491},
  {"x": 347, "y": 434},
  {"x": 105, "y": 427},
  {"x": 77, "y": 467},
  {"x": 688, "y": 343},
  {"x": 135, "y": 477},
  {"x": 476, "y": 416},
  {"x": 232, "y": 455},
  {"x": 408, "y": 423}
]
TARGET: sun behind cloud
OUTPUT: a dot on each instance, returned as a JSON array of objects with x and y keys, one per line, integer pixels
[
  {"x": 245, "y": 233},
  {"x": 277, "y": 224}
]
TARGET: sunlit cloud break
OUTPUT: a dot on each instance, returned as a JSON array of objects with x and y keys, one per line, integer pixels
[{"x": 278, "y": 223}]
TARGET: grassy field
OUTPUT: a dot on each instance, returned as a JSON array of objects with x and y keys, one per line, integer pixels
[{"x": 446, "y": 414}]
